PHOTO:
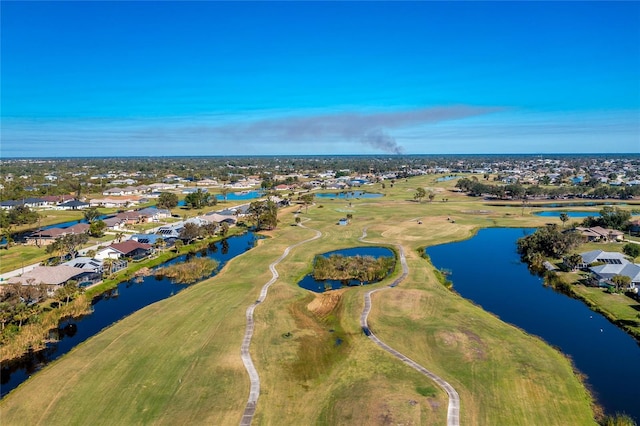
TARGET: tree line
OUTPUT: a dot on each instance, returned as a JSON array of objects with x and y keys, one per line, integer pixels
[{"x": 474, "y": 187}]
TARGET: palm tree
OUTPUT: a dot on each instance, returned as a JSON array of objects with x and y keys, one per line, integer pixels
[
  {"x": 564, "y": 218},
  {"x": 107, "y": 266},
  {"x": 224, "y": 191}
]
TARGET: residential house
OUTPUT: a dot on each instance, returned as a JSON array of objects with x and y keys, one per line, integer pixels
[
  {"x": 154, "y": 215},
  {"x": 606, "y": 257},
  {"x": 116, "y": 191},
  {"x": 610, "y": 265},
  {"x": 73, "y": 205},
  {"x": 113, "y": 202},
  {"x": 92, "y": 267},
  {"x": 54, "y": 276},
  {"x": 607, "y": 271},
  {"x": 220, "y": 218},
  {"x": 54, "y": 200},
  {"x": 114, "y": 223},
  {"x": 48, "y": 236},
  {"x": 132, "y": 217},
  {"x": 146, "y": 238},
  {"x": 129, "y": 248},
  {"x": 598, "y": 233}
]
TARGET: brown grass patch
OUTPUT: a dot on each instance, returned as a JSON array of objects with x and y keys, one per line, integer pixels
[
  {"x": 465, "y": 342},
  {"x": 378, "y": 402},
  {"x": 408, "y": 303}
]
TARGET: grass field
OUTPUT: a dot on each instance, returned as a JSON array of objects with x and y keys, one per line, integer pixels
[{"x": 178, "y": 361}]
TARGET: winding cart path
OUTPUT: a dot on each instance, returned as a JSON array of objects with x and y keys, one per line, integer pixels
[
  {"x": 453, "y": 411},
  {"x": 254, "y": 392}
]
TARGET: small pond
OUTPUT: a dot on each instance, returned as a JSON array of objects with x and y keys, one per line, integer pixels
[
  {"x": 349, "y": 194},
  {"x": 108, "y": 308},
  {"x": 309, "y": 283},
  {"x": 487, "y": 270},
  {"x": 446, "y": 178}
]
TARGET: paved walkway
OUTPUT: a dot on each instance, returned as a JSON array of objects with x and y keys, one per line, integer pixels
[
  {"x": 254, "y": 378},
  {"x": 453, "y": 411}
]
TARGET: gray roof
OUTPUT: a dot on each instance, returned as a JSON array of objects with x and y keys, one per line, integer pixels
[
  {"x": 603, "y": 256},
  {"x": 86, "y": 263},
  {"x": 74, "y": 203},
  {"x": 608, "y": 271}
]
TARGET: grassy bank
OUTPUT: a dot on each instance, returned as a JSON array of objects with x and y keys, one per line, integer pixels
[
  {"x": 177, "y": 361},
  {"x": 621, "y": 310}
]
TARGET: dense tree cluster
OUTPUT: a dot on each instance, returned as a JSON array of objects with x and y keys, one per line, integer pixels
[
  {"x": 545, "y": 242},
  {"x": 610, "y": 217},
  {"x": 19, "y": 215},
  {"x": 264, "y": 214},
  {"x": 67, "y": 245},
  {"x": 200, "y": 199},
  {"x": 167, "y": 200},
  {"x": 18, "y": 304}
]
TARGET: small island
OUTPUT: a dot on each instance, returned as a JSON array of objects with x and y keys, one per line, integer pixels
[
  {"x": 347, "y": 268},
  {"x": 188, "y": 272}
]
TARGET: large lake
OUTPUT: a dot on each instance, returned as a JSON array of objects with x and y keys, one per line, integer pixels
[
  {"x": 127, "y": 298},
  {"x": 487, "y": 270}
]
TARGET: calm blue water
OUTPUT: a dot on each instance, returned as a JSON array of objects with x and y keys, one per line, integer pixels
[
  {"x": 349, "y": 194},
  {"x": 569, "y": 213},
  {"x": 309, "y": 283},
  {"x": 496, "y": 279},
  {"x": 110, "y": 307}
]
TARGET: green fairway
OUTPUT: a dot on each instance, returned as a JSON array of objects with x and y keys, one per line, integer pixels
[{"x": 178, "y": 361}]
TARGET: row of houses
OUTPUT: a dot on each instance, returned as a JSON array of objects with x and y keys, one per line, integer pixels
[
  {"x": 117, "y": 222},
  {"x": 89, "y": 270},
  {"x": 62, "y": 202},
  {"x": 608, "y": 265}
]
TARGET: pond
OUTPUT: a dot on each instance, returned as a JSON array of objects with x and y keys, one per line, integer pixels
[
  {"x": 561, "y": 205},
  {"x": 579, "y": 214},
  {"x": 349, "y": 194},
  {"x": 497, "y": 280},
  {"x": 446, "y": 178},
  {"x": 110, "y": 307},
  {"x": 309, "y": 283}
]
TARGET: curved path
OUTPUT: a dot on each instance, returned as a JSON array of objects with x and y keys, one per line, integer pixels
[
  {"x": 254, "y": 392},
  {"x": 453, "y": 411}
]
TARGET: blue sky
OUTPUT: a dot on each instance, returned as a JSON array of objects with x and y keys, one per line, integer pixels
[{"x": 245, "y": 78}]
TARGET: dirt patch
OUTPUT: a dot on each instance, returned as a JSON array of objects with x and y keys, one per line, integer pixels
[
  {"x": 467, "y": 343},
  {"x": 325, "y": 303}
]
